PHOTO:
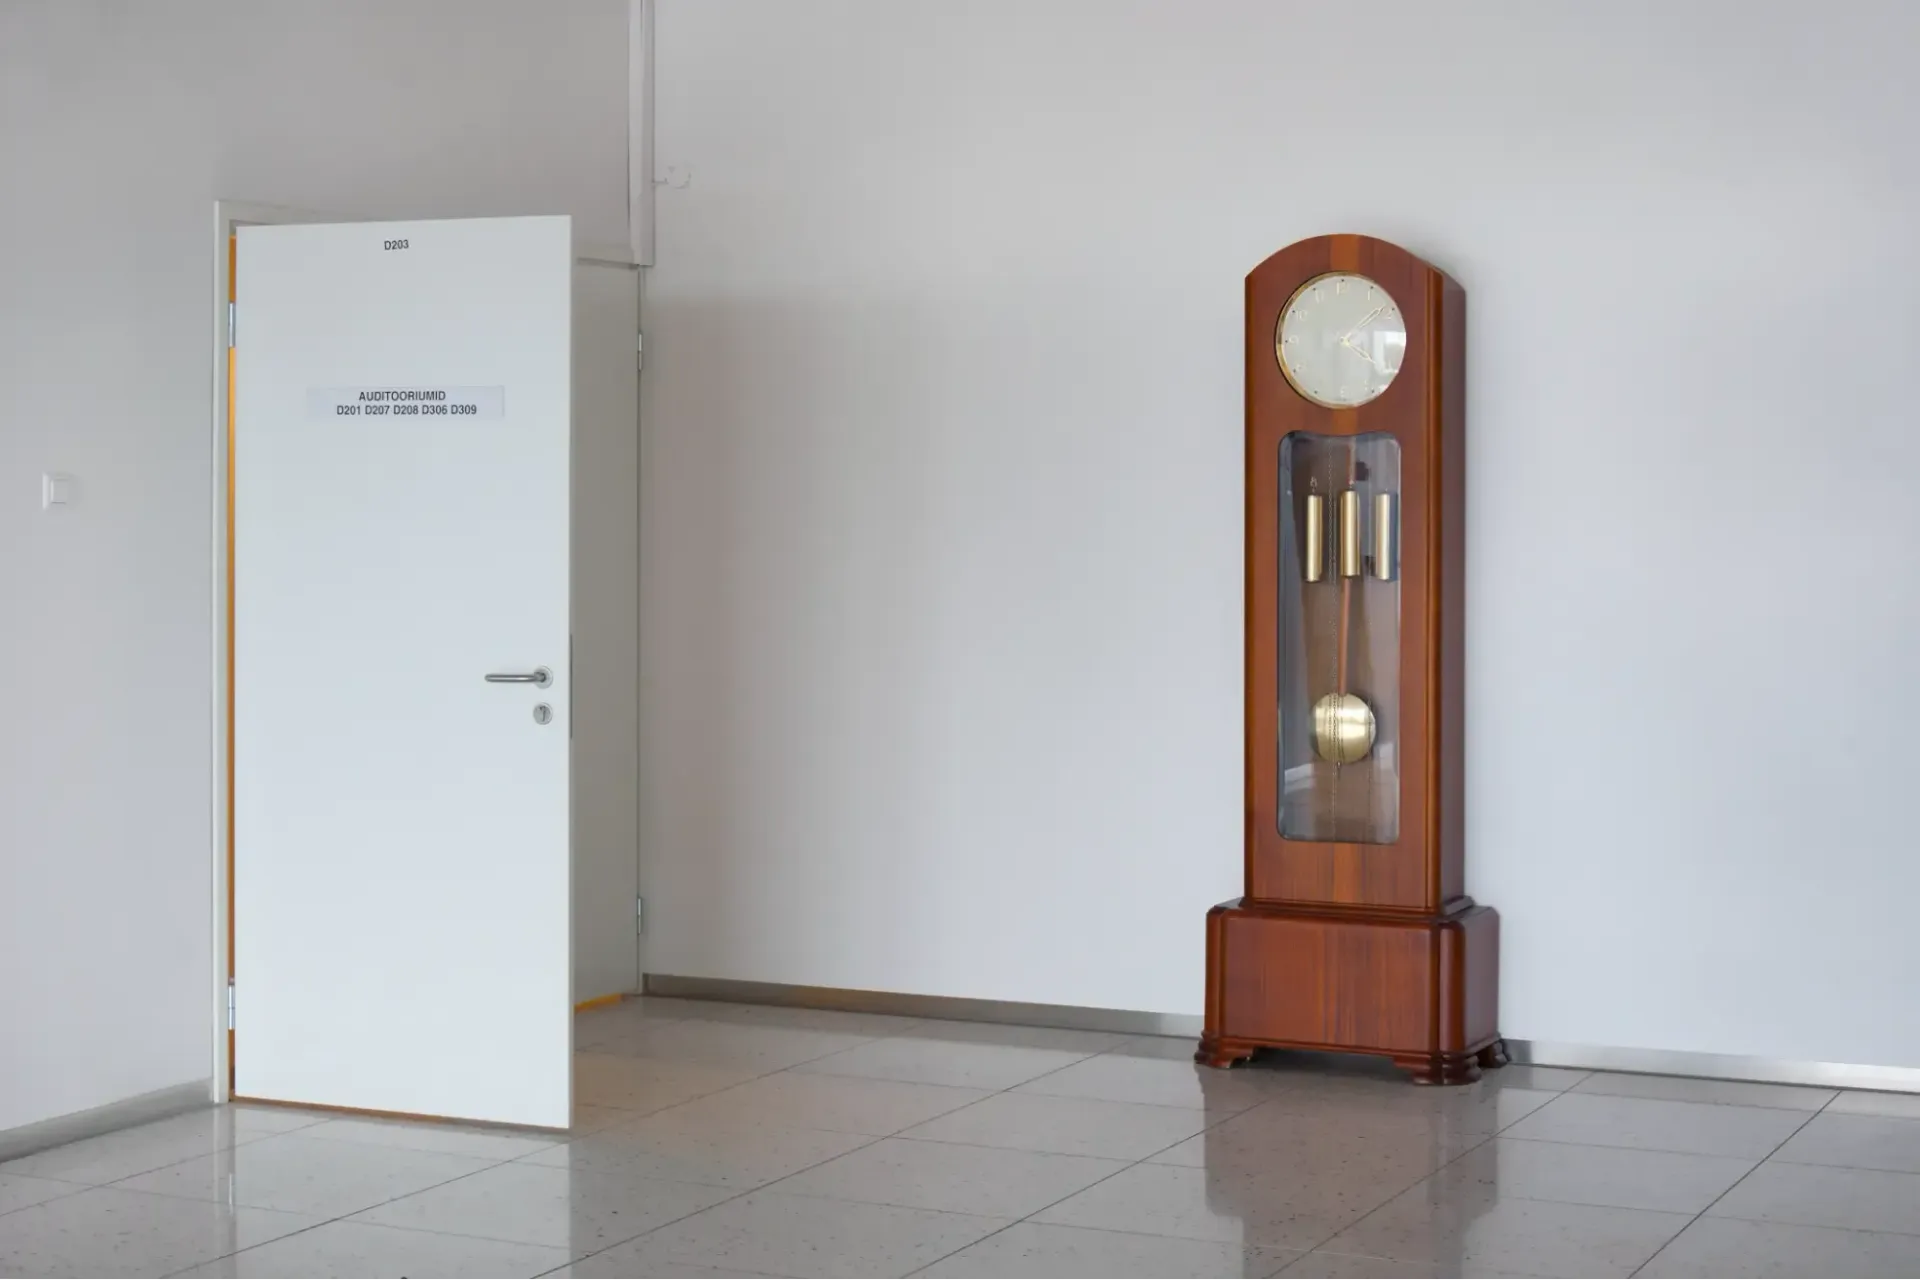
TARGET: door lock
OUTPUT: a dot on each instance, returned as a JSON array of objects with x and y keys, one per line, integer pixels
[{"x": 542, "y": 714}]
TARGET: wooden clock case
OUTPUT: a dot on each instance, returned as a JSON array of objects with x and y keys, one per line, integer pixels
[{"x": 1355, "y": 946}]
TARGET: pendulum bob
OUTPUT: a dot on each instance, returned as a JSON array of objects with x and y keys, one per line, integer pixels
[{"x": 1343, "y": 728}]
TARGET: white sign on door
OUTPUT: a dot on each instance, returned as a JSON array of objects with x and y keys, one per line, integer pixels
[{"x": 407, "y": 402}]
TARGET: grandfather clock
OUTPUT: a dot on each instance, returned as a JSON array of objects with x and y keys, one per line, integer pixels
[{"x": 1354, "y": 933}]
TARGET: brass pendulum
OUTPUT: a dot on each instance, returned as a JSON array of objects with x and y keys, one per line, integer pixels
[
  {"x": 1343, "y": 724},
  {"x": 1343, "y": 728}
]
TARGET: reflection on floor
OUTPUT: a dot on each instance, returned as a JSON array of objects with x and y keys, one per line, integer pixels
[{"x": 718, "y": 1139}]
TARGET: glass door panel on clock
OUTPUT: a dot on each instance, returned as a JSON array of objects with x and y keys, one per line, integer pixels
[{"x": 1338, "y": 600}]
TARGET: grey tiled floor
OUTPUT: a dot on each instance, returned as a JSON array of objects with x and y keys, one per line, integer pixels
[{"x": 733, "y": 1140}]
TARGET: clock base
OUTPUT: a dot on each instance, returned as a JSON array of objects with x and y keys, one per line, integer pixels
[{"x": 1421, "y": 990}]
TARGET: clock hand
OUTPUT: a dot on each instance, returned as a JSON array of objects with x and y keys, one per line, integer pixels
[
  {"x": 1357, "y": 351},
  {"x": 1361, "y": 323}
]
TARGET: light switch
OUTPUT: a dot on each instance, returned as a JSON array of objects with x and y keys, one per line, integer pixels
[{"x": 56, "y": 490}]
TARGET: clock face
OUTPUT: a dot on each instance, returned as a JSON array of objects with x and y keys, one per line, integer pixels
[{"x": 1340, "y": 341}]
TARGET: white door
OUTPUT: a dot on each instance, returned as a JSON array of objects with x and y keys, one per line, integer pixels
[{"x": 402, "y": 679}]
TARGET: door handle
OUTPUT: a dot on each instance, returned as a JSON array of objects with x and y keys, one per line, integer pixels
[{"x": 539, "y": 676}]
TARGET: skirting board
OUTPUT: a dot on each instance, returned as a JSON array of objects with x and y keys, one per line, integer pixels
[
  {"x": 955, "y": 1008},
  {"x": 1715, "y": 1066},
  {"x": 1659, "y": 1062},
  {"x": 124, "y": 1114}
]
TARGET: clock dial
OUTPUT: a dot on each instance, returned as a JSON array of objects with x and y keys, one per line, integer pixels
[{"x": 1340, "y": 340}]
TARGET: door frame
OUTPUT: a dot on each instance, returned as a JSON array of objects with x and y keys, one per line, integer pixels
[{"x": 228, "y": 217}]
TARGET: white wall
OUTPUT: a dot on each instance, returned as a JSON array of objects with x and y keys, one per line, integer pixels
[
  {"x": 941, "y": 489},
  {"x": 120, "y": 124}
]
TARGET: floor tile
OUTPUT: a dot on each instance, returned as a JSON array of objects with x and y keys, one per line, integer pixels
[
  {"x": 644, "y": 1084},
  {"x": 114, "y": 1156},
  {"x": 1170, "y": 1200},
  {"x": 666, "y": 1270},
  {"x": 1153, "y": 1081},
  {"x": 306, "y": 1175},
  {"x": 1700, "y": 1128},
  {"x": 1863, "y": 1102},
  {"x": 775, "y": 1234},
  {"x": 1070, "y": 1126},
  {"x": 1860, "y": 1142},
  {"x": 748, "y": 1047},
  {"x": 990, "y": 1182},
  {"x": 594, "y": 1026},
  {"x": 639, "y": 1009},
  {"x": 1735, "y": 1247},
  {"x": 849, "y": 1021},
  {"x": 1466, "y": 1110},
  {"x": 1333, "y": 1072},
  {"x": 1166, "y": 1048},
  {"x": 265, "y": 1118},
  {"x": 1525, "y": 1075},
  {"x": 673, "y": 1146},
  {"x": 971, "y": 1066},
  {"x": 1353, "y": 1266},
  {"x": 1330, "y": 1146},
  {"x": 457, "y": 1140},
  {"x": 1037, "y": 1249},
  {"x": 1824, "y": 1196},
  {"x": 1327, "y": 1067},
  {"x": 1064, "y": 1038},
  {"x": 840, "y": 1103},
  {"x": 105, "y": 1231},
  {"x": 587, "y": 1119},
  {"x": 582, "y": 1213},
  {"x": 361, "y": 1249},
  {"x": 17, "y": 1191},
  {"x": 1343, "y": 1125},
  {"x": 1472, "y": 1230},
  {"x": 1622, "y": 1177},
  {"x": 1787, "y": 1097}
]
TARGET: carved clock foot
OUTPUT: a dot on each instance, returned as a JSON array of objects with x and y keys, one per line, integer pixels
[
  {"x": 1218, "y": 1051},
  {"x": 1441, "y": 1068},
  {"x": 1495, "y": 1055}
]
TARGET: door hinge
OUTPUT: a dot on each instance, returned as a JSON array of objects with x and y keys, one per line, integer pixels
[
  {"x": 639, "y": 915},
  {"x": 233, "y": 320},
  {"x": 229, "y": 1004},
  {"x": 639, "y": 350}
]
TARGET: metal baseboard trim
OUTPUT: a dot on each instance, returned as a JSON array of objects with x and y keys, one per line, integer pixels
[
  {"x": 955, "y": 1008},
  {"x": 124, "y": 1114},
  {"x": 1715, "y": 1066}
]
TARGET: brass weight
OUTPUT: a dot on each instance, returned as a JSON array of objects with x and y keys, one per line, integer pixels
[{"x": 1343, "y": 728}]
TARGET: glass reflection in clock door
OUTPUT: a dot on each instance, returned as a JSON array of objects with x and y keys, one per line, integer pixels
[{"x": 1339, "y": 633}]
